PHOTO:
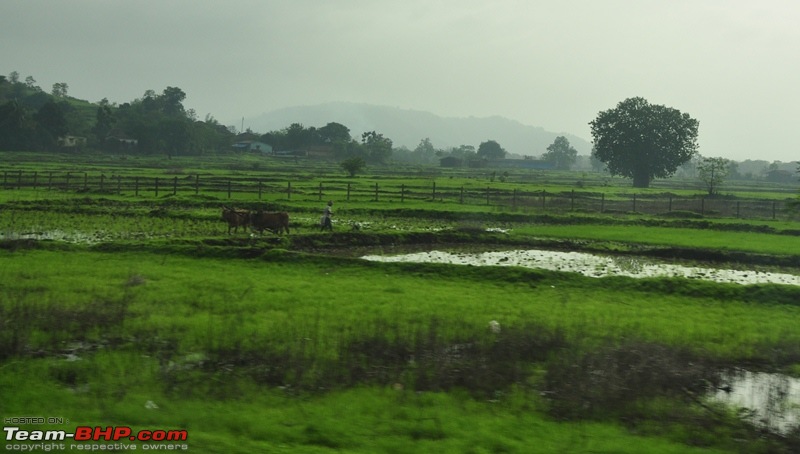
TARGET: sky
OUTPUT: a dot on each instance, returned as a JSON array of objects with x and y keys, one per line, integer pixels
[{"x": 733, "y": 65}]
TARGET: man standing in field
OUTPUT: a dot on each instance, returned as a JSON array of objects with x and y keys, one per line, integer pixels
[{"x": 325, "y": 222}]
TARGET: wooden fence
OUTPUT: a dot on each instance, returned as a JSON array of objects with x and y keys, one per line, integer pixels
[{"x": 273, "y": 189}]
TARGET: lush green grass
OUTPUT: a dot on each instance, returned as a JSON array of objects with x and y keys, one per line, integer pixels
[
  {"x": 145, "y": 324},
  {"x": 178, "y": 298},
  {"x": 285, "y": 352},
  {"x": 672, "y": 236},
  {"x": 364, "y": 420}
]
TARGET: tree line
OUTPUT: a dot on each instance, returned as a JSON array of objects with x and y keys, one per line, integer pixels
[
  {"x": 636, "y": 139},
  {"x": 32, "y": 119}
]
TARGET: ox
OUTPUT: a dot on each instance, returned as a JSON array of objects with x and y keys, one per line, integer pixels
[
  {"x": 235, "y": 218},
  {"x": 275, "y": 222}
]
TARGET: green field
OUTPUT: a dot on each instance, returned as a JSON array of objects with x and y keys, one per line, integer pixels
[{"x": 122, "y": 310}]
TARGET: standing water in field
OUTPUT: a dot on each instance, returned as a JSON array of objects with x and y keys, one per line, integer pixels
[
  {"x": 590, "y": 265},
  {"x": 771, "y": 401}
]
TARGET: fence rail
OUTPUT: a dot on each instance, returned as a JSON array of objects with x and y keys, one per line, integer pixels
[{"x": 248, "y": 188}]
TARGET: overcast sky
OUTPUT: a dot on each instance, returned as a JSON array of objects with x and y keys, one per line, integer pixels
[{"x": 734, "y": 65}]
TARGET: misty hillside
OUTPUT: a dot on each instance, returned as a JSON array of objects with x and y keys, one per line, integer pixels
[{"x": 408, "y": 127}]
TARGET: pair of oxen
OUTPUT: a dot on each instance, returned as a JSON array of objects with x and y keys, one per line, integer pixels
[{"x": 274, "y": 221}]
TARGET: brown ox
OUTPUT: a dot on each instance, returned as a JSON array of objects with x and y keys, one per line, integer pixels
[
  {"x": 235, "y": 218},
  {"x": 275, "y": 222}
]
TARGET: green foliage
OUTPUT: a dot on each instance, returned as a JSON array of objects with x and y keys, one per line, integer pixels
[
  {"x": 491, "y": 150},
  {"x": 712, "y": 172},
  {"x": 199, "y": 336},
  {"x": 643, "y": 141},
  {"x": 31, "y": 119},
  {"x": 561, "y": 154},
  {"x": 377, "y": 148},
  {"x": 353, "y": 165}
]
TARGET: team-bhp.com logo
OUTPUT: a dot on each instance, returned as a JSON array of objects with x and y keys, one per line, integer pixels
[{"x": 95, "y": 434}]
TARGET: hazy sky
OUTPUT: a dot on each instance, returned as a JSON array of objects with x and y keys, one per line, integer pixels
[{"x": 734, "y": 65}]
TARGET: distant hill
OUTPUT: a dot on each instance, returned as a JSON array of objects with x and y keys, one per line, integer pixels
[{"x": 408, "y": 127}]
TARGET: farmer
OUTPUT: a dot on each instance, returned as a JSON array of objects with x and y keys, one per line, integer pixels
[{"x": 325, "y": 222}]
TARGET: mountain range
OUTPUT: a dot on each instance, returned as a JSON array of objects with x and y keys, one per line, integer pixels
[{"x": 409, "y": 127}]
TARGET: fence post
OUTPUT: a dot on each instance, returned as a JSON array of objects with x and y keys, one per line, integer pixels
[
  {"x": 174, "y": 185},
  {"x": 135, "y": 186},
  {"x": 572, "y": 201},
  {"x": 229, "y": 188},
  {"x": 156, "y": 186},
  {"x": 320, "y": 190},
  {"x": 259, "y": 189},
  {"x": 289, "y": 190},
  {"x": 402, "y": 193},
  {"x": 602, "y": 201},
  {"x": 196, "y": 184},
  {"x": 544, "y": 195}
]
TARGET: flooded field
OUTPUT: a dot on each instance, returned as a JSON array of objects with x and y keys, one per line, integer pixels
[
  {"x": 592, "y": 265},
  {"x": 767, "y": 400}
]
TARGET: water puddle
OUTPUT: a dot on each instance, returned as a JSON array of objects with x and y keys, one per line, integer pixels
[
  {"x": 59, "y": 235},
  {"x": 591, "y": 265},
  {"x": 771, "y": 401},
  {"x": 78, "y": 237}
]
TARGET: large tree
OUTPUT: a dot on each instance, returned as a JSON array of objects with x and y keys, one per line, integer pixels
[
  {"x": 561, "y": 154},
  {"x": 643, "y": 141},
  {"x": 377, "y": 148},
  {"x": 491, "y": 150},
  {"x": 51, "y": 124},
  {"x": 17, "y": 128},
  {"x": 334, "y": 133}
]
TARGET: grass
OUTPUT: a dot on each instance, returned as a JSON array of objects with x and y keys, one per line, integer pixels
[
  {"x": 362, "y": 420},
  {"x": 673, "y": 236},
  {"x": 197, "y": 336},
  {"x": 251, "y": 345},
  {"x": 285, "y": 297}
]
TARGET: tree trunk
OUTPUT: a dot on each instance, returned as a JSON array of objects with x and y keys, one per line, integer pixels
[{"x": 641, "y": 180}]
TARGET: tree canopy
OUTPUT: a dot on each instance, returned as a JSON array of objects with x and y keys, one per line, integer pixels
[
  {"x": 643, "y": 141},
  {"x": 33, "y": 120},
  {"x": 561, "y": 154},
  {"x": 353, "y": 165},
  {"x": 491, "y": 150}
]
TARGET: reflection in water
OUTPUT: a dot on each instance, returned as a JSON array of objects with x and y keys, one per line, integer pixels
[
  {"x": 590, "y": 265},
  {"x": 771, "y": 401}
]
